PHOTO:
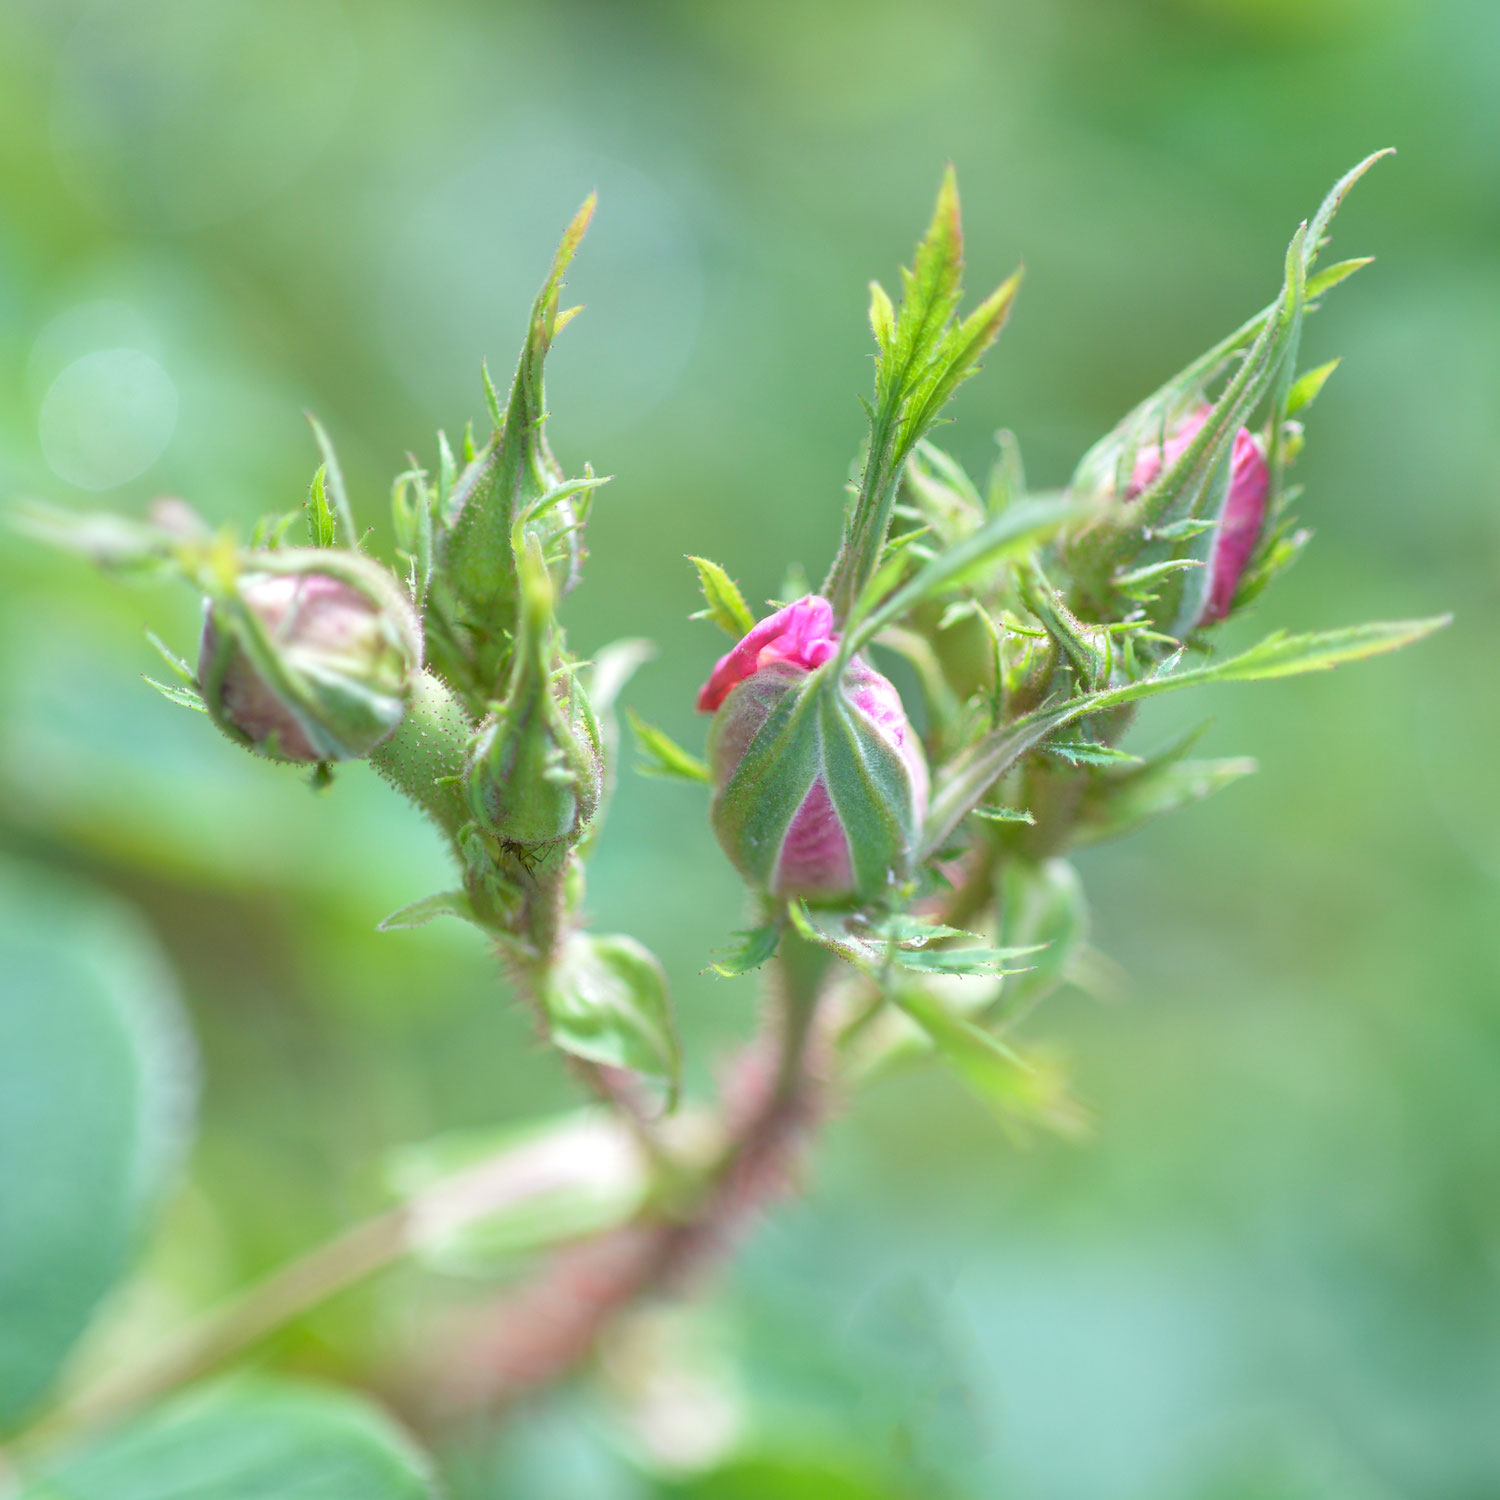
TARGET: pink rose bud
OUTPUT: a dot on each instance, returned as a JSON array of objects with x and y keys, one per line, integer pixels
[
  {"x": 818, "y": 793},
  {"x": 1244, "y": 510},
  {"x": 309, "y": 665}
]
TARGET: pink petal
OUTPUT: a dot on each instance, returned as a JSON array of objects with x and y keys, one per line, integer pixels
[{"x": 801, "y": 634}]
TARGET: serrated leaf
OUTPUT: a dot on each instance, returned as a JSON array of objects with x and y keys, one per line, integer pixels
[
  {"x": 971, "y": 774},
  {"x": 420, "y": 913},
  {"x": 909, "y": 930},
  {"x": 726, "y": 605},
  {"x": 178, "y": 664},
  {"x": 1004, "y": 814},
  {"x": 924, "y": 352},
  {"x": 183, "y": 697},
  {"x": 330, "y": 479},
  {"x": 1088, "y": 753},
  {"x": 757, "y": 946},
  {"x": 606, "y": 1001},
  {"x": 662, "y": 755},
  {"x": 1306, "y": 387},
  {"x": 322, "y": 529},
  {"x": 990, "y": 962}
]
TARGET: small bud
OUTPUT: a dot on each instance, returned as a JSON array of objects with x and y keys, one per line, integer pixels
[
  {"x": 820, "y": 788},
  {"x": 536, "y": 769},
  {"x": 309, "y": 663},
  {"x": 1241, "y": 518}
]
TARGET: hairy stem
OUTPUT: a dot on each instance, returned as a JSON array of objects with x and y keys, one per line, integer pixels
[{"x": 538, "y": 1333}]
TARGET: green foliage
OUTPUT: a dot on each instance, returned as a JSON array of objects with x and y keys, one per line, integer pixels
[
  {"x": 756, "y": 948},
  {"x": 923, "y": 353},
  {"x": 1020, "y": 1092},
  {"x": 606, "y": 1001},
  {"x": 250, "y": 1440},
  {"x": 726, "y": 605},
  {"x": 663, "y": 756},
  {"x": 96, "y": 1086}
]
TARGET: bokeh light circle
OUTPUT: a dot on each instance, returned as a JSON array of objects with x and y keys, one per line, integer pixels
[{"x": 107, "y": 418}]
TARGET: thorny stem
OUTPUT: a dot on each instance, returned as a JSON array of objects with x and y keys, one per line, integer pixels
[{"x": 535, "y": 1335}]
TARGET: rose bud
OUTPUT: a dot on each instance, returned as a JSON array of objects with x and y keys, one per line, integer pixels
[
  {"x": 309, "y": 656},
  {"x": 1240, "y": 520},
  {"x": 820, "y": 786},
  {"x": 536, "y": 768}
]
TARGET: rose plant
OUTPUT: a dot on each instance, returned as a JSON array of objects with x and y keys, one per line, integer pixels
[{"x": 888, "y": 848}]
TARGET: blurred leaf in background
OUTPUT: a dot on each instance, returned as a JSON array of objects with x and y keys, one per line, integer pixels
[{"x": 1273, "y": 1272}]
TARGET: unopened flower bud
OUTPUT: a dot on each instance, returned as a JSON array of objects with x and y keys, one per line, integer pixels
[
  {"x": 1240, "y": 520},
  {"x": 820, "y": 788},
  {"x": 536, "y": 769},
  {"x": 309, "y": 662}
]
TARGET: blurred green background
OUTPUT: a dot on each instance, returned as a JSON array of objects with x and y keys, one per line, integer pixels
[{"x": 1274, "y": 1273}]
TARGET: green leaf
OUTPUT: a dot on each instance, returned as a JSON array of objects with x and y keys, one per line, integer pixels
[
  {"x": 329, "y": 482},
  {"x": 606, "y": 1000},
  {"x": 1088, "y": 753},
  {"x": 662, "y": 755},
  {"x": 247, "y": 1440},
  {"x": 1306, "y": 387},
  {"x": 183, "y": 697},
  {"x": 481, "y": 1199},
  {"x": 1004, "y": 814},
  {"x": 1017, "y": 527},
  {"x": 1121, "y": 801},
  {"x": 971, "y": 774},
  {"x": 908, "y": 929},
  {"x": 1017, "y": 1090},
  {"x": 966, "y": 961},
  {"x": 97, "y": 1078},
  {"x": 757, "y": 946},
  {"x": 179, "y": 666},
  {"x": 322, "y": 529},
  {"x": 923, "y": 353},
  {"x": 420, "y": 913},
  {"x": 726, "y": 605}
]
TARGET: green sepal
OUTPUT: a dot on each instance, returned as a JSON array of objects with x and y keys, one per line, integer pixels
[
  {"x": 183, "y": 697},
  {"x": 420, "y": 913},
  {"x": 344, "y": 709},
  {"x": 514, "y": 480},
  {"x": 535, "y": 773}
]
